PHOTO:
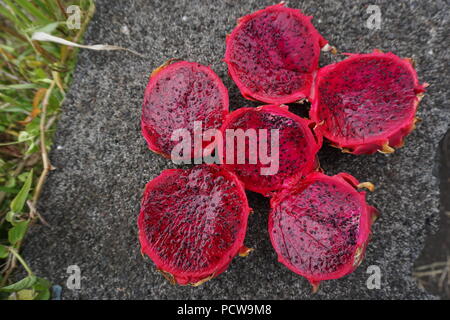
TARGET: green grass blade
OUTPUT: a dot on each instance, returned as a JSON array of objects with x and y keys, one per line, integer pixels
[
  {"x": 18, "y": 14},
  {"x": 33, "y": 11},
  {"x": 20, "y": 285},
  {"x": 19, "y": 86},
  {"x": 46, "y": 8},
  {"x": 7, "y": 14}
]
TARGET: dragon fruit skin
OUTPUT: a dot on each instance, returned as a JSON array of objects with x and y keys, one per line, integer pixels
[
  {"x": 177, "y": 94},
  {"x": 273, "y": 54},
  {"x": 325, "y": 221},
  {"x": 299, "y": 143},
  {"x": 367, "y": 102},
  {"x": 193, "y": 222}
]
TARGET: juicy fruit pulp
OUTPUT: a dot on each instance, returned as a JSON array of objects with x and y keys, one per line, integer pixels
[
  {"x": 297, "y": 141},
  {"x": 367, "y": 102},
  {"x": 193, "y": 222},
  {"x": 178, "y": 94},
  {"x": 273, "y": 54},
  {"x": 320, "y": 228}
]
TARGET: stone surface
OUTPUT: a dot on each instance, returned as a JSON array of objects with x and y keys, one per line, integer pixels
[
  {"x": 92, "y": 199},
  {"x": 437, "y": 245}
]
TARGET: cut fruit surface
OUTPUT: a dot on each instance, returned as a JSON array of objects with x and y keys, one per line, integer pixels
[
  {"x": 320, "y": 228},
  {"x": 178, "y": 94},
  {"x": 193, "y": 222},
  {"x": 367, "y": 102},
  {"x": 273, "y": 53},
  {"x": 277, "y": 147}
]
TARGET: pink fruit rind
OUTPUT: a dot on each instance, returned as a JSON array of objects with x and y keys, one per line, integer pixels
[
  {"x": 166, "y": 186},
  {"x": 305, "y": 131},
  {"x": 344, "y": 183},
  {"x": 388, "y": 138},
  {"x": 184, "y": 112},
  {"x": 315, "y": 40}
]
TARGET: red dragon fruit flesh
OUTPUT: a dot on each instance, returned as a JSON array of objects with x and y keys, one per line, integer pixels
[
  {"x": 193, "y": 222},
  {"x": 289, "y": 141},
  {"x": 273, "y": 54},
  {"x": 178, "y": 94},
  {"x": 367, "y": 102},
  {"x": 320, "y": 228}
]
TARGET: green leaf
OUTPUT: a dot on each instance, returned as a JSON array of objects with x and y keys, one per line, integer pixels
[
  {"x": 42, "y": 284},
  {"x": 49, "y": 7},
  {"x": 32, "y": 148},
  {"x": 42, "y": 287},
  {"x": 5, "y": 12},
  {"x": 24, "y": 136},
  {"x": 26, "y": 294},
  {"x": 49, "y": 28},
  {"x": 15, "y": 109},
  {"x": 17, "y": 13},
  {"x": 35, "y": 12},
  {"x": 8, "y": 190},
  {"x": 39, "y": 73},
  {"x": 19, "y": 201},
  {"x": 3, "y": 252},
  {"x": 17, "y": 232},
  {"x": 43, "y": 295},
  {"x": 11, "y": 183},
  {"x": 23, "y": 177},
  {"x": 20, "y": 285},
  {"x": 10, "y": 217},
  {"x": 19, "y": 86}
]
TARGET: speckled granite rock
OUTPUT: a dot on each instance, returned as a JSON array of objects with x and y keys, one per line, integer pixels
[{"x": 92, "y": 199}]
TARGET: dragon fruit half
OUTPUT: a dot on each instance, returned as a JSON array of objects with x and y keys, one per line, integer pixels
[
  {"x": 295, "y": 151},
  {"x": 193, "y": 222},
  {"x": 273, "y": 54},
  {"x": 320, "y": 228},
  {"x": 368, "y": 102},
  {"x": 178, "y": 94}
]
